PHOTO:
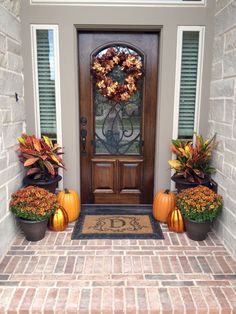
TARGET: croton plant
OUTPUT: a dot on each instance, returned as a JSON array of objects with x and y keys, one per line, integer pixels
[
  {"x": 40, "y": 156},
  {"x": 193, "y": 158}
]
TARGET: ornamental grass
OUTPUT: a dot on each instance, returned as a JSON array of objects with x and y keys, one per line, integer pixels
[
  {"x": 199, "y": 203},
  {"x": 33, "y": 203}
]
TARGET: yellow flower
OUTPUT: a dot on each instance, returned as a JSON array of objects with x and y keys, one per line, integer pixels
[
  {"x": 97, "y": 66},
  {"x": 116, "y": 59},
  {"x": 129, "y": 79},
  {"x": 131, "y": 87},
  {"x": 139, "y": 64},
  {"x": 101, "y": 84},
  {"x": 125, "y": 96}
]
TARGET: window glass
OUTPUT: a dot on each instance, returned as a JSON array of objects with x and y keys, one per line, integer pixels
[
  {"x": 188, "y": 84},
  {"x": 46, "y": 82}
]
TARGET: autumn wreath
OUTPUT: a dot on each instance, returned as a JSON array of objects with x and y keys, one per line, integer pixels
[{"x": 103, "y": 64}]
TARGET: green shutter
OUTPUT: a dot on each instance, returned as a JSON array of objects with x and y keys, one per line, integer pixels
[
  {"x": 46, "y": 82},
  {"x": 188, "y": 84}
]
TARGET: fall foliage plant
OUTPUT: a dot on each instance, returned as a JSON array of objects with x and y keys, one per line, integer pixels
[
  {"x": 33, "y": 203},
  {"x": 193, "y": 158},
  {"x": 41, "y": 157},
  {"x": 200, "y": 204}
]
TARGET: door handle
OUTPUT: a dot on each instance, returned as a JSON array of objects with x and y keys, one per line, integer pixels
[
  {"x": 83, "y": 121},
  {"x": 83, "y": 137}
]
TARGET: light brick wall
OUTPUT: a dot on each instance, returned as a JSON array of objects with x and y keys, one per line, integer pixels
[
  {"x": 222, "y": 119},
  {"x": 12, "y": 113}
]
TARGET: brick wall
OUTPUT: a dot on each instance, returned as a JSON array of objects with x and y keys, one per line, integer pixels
[
  {"x": 12, "y": 113},
  {"x": 222, "y": 118}
]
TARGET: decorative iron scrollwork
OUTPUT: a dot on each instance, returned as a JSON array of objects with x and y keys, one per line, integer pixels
[{"x": 118, "y": 124}]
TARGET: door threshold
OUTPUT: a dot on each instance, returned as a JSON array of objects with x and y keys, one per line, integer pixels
[{"x": 119, "y": 208}]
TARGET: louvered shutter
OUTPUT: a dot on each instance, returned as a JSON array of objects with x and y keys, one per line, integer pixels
[
  {"x": 46, "y": 82},
  {"x": 188, "y": 84}
]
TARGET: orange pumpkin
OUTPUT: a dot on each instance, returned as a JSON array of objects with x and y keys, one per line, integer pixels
[
  {"x": 164, "y": 203},
  {"x": 69, "y": 200},
  {"x": 59, "y": 220},
  {"x": 175, "y": 221}
]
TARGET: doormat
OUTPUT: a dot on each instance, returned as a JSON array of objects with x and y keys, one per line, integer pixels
[{"x": 115, "y": 226}]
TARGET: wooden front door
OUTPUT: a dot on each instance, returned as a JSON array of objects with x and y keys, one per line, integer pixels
[{"x": 117, "y": 137}]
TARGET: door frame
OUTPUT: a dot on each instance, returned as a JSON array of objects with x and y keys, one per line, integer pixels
[{"x": 130, "y": 29}]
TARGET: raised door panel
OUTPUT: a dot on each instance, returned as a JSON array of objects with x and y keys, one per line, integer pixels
[
  {"x": 103, "y": 176},
  {"x": 130, "y": 176}
]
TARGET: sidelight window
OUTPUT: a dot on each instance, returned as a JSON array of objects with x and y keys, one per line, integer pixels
[
  {"x": 46, "y": 81},
  {"x": 188, "y": 81}
]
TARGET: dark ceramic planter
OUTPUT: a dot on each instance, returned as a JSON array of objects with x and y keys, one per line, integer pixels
[
  {"x": 182, "y": 184},
  {"x": 33, "y": 230},
  {"x": 49, "y": 185},
  {"x": 197, "y": 231}
]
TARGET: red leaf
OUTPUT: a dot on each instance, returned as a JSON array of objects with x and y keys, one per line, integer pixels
[
  {"x": 32, "y": 171},
  {"x": 30, "y": 162},
  {"x": 44, "y": 157},
  {"x": 37, "y": 145},
  {"x": 29, "y": 151},
  {"x": 50, "y": 167}
]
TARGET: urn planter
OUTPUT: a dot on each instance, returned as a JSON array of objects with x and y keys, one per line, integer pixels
[
  {"x": 33, "y": 230},
  {"x": 49, "y": 184},
  {"x": 197, "y": 231},
  {"x": 181, "y": 183}
]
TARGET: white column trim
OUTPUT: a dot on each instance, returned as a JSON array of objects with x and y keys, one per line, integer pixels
[{"x": 143, "y": 3}]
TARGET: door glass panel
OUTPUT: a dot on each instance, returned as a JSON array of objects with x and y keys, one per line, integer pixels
[{"x": 118, "y": 122}]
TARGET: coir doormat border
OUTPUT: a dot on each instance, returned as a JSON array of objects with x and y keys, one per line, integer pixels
[{"x": 77, "y": 235}]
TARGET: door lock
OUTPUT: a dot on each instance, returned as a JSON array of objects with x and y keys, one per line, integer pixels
[
  {"x": 83, "y": 121},
  {"x": 83, "y": 137}
]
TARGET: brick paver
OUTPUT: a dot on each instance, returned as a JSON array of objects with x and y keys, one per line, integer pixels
[{"x": 174, "y": 275}]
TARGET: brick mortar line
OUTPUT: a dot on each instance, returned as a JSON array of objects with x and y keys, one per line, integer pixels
[
  {"x": 220, "y": 98},
  {"x": 135, "y": 289},
  {"x": 228, "y": 301},
  {"x": 20, "y": 74},
  {"x": 225, "y": 31},
  {"x": 183, "y": 302},
  {"x": 227, "y": 51},
  {"x": 127, "y": 284},
  {"x": 146, "y": 298},
  {"x": 215, "y": 297}
]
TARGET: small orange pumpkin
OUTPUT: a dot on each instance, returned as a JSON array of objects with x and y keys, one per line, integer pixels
[
  {"x": 164, "y": 203},
  {"x": 175, "y": 221},
  {"x": 59, "y": 220},
  {"x": 69, "y": 200}
]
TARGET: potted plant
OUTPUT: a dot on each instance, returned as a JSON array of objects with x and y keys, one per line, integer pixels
[
  {"x": 192, "y": 164},
  {"x": 199, "y": 207},
  {"x": 42, "y": 159},
  {"x": 33, "y": 206}
]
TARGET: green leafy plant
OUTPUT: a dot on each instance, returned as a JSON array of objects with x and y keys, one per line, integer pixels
[
  {"x": 193, "y": 159},
  {"x": 199, "y": 203},
  {"x": 33, "y": 203},
  {"x": 40, "y": 156}
]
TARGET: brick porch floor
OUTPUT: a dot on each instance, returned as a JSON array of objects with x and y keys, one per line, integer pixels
[{"x": 57, "y": 275}]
